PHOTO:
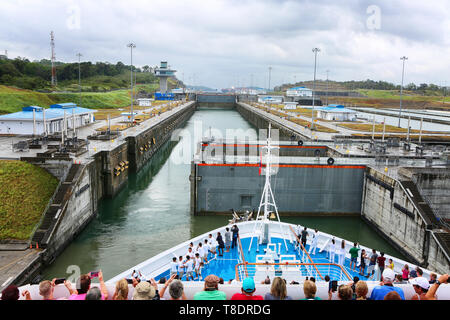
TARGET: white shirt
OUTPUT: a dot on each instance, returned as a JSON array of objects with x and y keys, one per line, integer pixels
[
  {"x": 212, "y": 242},
  {"x": 173, "y": 266},
  {"x": 191, "y": 254},
  {"x": 201, "y": 251},
  {"x": 206, "y": 248},
  {"x": 180, "y": 266},
  {"x": 189, "y": 265},
  {"x": 197, "y": 263},
  {"x": 332, "y": 247}
]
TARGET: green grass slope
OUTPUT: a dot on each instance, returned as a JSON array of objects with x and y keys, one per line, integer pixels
[{"x": 24, "y": 194}]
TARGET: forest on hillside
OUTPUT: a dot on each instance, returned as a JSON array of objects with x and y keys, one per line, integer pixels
[{"x": 36, "y": 75}]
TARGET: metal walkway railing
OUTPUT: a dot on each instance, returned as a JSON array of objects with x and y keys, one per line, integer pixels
[{"x": 290, "y": 271}]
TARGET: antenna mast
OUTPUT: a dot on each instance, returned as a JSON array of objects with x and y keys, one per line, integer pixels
[
  {"x": 52, "y": 45},
  {"x": 267, "y": 200}
]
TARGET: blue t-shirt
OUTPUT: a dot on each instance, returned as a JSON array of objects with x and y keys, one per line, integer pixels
[{"x": 379, "y": 292}]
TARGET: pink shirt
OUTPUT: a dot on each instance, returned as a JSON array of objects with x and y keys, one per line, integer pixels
[
  {"x": 81, "y": 296},
  {"x": 405, "y": 274}
]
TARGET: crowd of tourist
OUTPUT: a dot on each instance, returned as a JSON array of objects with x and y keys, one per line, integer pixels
[
  {"x": 148, "y": 290},
  {"x": 189, "y": 267}
]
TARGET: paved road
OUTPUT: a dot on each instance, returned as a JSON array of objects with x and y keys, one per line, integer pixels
[{"x": 12, "y": 263}]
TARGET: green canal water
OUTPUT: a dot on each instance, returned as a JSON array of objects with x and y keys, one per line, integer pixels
[{"x": 151, "y": 213}]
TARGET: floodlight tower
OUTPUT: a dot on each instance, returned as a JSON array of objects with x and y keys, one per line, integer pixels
[
  {"x": 401, "y": 90},
  {"x": 52, "y": 45},
  {"x": 131, "y": 45},
  {"x": 327, "y": 85},
  {"x": 315, "y": 50},
  {"x": 270, "y": 70},
  {"x": 163, "y": 72},
  {"x": 79, "y": 55}
]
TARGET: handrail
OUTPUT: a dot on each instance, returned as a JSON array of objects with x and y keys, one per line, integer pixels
[
  {"x": 295, "y": 264},
  {"x": 304, "y": 250},
  {"x": 242, "y": 256}
]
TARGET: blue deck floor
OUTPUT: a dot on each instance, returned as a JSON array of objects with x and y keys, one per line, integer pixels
[{"x": 224, "y": 266}]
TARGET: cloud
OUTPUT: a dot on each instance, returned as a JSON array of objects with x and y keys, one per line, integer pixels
[{"x": 224, "y": 43}]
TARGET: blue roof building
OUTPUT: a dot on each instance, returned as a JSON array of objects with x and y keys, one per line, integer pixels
[
  {"x": 336, "y": 112},
  {"x": 31, "y": 119}
]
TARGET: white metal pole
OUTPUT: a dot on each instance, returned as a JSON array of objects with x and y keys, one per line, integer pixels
[
  {"x": 315, "y": 50},
  {"x": 409, "y": 128},
  {"x": 34, "y": 122},
  {"x": 45, "y": 124},
  {"x": 420, "y": 133},
  {"x": 401, "y": 90},
  {"x": 63, "y": 128},
  {"x": 373, "y": 129},
  {"x": 73, "y": 123}
]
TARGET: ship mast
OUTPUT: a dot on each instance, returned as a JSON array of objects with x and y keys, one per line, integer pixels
[{"x": 267, "y": 199}]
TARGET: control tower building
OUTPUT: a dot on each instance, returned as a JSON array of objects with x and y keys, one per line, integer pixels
[{"x": 163, "y": 73}]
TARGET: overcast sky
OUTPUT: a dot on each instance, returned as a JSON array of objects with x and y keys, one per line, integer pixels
[{"x": 223, "y": 43}]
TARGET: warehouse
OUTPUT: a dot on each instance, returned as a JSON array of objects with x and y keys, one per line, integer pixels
[{"x": 33, "y": 119}]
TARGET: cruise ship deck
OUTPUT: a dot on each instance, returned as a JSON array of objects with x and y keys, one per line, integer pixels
[{"x": 236, "y": 265}]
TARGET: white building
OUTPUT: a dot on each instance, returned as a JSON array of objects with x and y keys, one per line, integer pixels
[
  {"x": 336, "y": 112},
  {"x": 290, "y": 105},
  {"x": 144, "y": 102},
  {"x": 33, "y": 119},
  {"x": 126, "y": 116},
  {"x": 299, "y": 92},
  {"x": 178, "y": 90},
  {"x": 270, "y": 99}
]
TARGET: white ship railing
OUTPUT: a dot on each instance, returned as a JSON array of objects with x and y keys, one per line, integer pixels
[{"x": 290, "y": 271}]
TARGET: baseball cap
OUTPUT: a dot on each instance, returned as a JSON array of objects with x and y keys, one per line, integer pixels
[
  {"x": 421, "y": 282},
  {"x": 388, "y": 275},
  {"x": 144, "y": 291},
  {"x": 248, "y": 285}
]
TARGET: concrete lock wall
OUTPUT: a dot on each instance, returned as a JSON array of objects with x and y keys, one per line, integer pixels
[
  {"x": 216, "y": 101},
  {"x": 82, "y": 186},
  {"x": 434, "y": 184},
  {"x": 262, "y": 122},
  {"x": 80, "y": 209},
  {"x": 298, "y": 189},
  {"x": 387, "y": 207}
]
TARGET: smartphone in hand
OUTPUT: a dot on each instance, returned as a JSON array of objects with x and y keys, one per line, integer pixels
[
  {"x": 93, "y": 274},
  {"x": 60, "y": 280}
]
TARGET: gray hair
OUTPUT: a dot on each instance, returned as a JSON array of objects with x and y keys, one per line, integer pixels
[
  {"x": 176, "y": 289},
  {"x": 94, "y": 293}
]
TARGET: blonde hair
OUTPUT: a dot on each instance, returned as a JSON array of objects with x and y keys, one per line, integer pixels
[
  {"x": 121, "y": 290},
  {"x": 361, "y": 290},
  {"x": 278, "y": 288},
  {"x": 45, "y": 288},
  {"x": 345, "y": 292},
  {"x": 309, "y": 289}
]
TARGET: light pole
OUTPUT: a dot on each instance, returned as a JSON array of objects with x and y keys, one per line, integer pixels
[
  {"x": 327, "y": 85},
  {"x": 270, "y": 69},
  {"x": 131, "y": 46},
  {"x": 401, "y": 89},
  {"x": 79, "y": 55},
  {"x": 315, "y": 50}
]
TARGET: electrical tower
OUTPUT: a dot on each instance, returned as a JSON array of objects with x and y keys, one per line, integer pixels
[{"x": 52, "y": 44}]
